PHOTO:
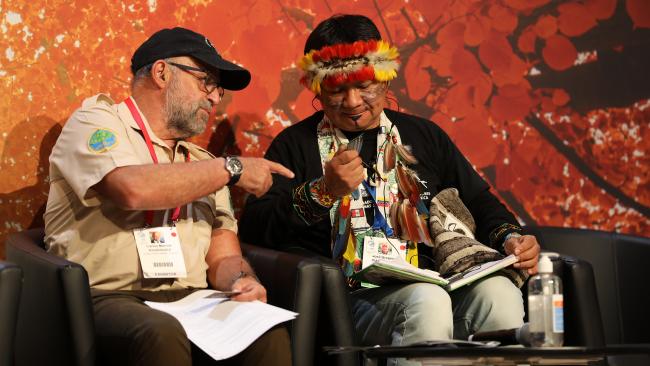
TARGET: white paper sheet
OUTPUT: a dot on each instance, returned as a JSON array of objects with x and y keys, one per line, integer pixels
[{"x": 221, "y": 327}]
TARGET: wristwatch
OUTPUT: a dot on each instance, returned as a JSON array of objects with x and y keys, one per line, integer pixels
[{"x": 234, "y": 167}]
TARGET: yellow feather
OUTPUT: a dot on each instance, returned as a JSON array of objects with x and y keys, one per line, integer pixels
[
  {"x": 350, "y": 250},
  {"x": 385, "y": 75},
  {"x": 306, "y": 61},
  {"x": 315, "y": 86}
]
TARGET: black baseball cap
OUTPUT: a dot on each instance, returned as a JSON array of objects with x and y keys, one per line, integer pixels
[{"x": 184, "y": 42}]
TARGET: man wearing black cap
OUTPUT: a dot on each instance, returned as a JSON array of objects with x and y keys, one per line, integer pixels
[{"x": 122, "y": 173}]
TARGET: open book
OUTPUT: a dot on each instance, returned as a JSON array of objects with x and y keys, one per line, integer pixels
[{"x": 380, "y": 273}]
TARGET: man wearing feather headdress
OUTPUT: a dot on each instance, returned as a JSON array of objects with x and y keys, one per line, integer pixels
[{"x": 366, "y": 174}]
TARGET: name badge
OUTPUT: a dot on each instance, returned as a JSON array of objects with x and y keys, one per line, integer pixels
[
  {"x": 159, "y": 249},
  {"x": 384, "y": 250}
]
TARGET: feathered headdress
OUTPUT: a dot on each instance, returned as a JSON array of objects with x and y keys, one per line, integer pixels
[{"x": 349, "y": 62}]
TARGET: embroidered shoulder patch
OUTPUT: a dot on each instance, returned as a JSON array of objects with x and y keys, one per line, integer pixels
[{"x": 102, "y": 141}]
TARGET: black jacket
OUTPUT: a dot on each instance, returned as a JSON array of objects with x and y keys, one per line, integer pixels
[{"x": 271, "y": 220}]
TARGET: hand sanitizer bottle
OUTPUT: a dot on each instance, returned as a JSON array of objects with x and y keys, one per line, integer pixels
[{"x": 546, "y": 306}]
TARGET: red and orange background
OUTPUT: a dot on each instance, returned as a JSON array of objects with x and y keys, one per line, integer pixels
[{"x": 550, "y": 100}]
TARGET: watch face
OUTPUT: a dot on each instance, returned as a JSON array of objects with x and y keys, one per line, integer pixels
[{"x": 234, "y": 165}]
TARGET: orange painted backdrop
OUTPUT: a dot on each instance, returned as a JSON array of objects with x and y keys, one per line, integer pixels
[{"x": 550, "y": 100}]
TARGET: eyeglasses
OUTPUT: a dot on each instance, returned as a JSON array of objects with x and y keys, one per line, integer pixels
[
  {"x": 369, "y": 91},
  {"x": 208, "y": 82}
]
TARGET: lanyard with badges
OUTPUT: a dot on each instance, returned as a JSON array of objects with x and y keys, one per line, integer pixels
[
  {"x": 356, "y": 242},
  {"x": 159, "y": 248}
]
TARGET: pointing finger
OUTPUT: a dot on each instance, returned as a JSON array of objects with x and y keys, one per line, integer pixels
[{"x": 280, "y": 169}]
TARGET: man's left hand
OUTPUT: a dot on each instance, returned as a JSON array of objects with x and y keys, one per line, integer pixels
[
  {"x": 250, "y": 290},
  {"x": 526, "y": 249}
]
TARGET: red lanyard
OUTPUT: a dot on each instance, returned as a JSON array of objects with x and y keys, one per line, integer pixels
[{"x": 148, "y": 215}]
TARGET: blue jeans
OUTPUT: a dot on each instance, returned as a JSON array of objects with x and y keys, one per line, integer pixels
[{"x": 417, "y": 312}]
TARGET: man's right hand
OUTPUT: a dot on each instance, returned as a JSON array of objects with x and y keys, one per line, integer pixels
[
  {"x": 256, "y": 175},
  {"x": 343, "y": 173}
]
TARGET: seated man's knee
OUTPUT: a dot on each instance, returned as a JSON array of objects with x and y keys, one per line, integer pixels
[
  {"x": 426, "y": 296},
  {"x": 500, "y": 293},
  {"x": 272, "y": 348},
  {"x": 428, "y": 313},
  {"x": 495, "y": 303},
  {"x": 161, "y": 337}
]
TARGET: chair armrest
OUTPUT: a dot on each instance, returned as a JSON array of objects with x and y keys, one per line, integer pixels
[
  {"x": 337, "y": 297},
  {"x": 55, "y": 309},
  {"x": 293, "y": 282},
  {"x": 334, "y": 327},
  {"x": 582, "y": 319},
  {"x": 11, "y": 279}
]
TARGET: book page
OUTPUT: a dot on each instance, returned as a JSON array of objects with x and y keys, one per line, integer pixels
[
  {"x": 381, "y": 273},
  {"x": 219, "y": 326},
  {"x": 479, "y": 271}
]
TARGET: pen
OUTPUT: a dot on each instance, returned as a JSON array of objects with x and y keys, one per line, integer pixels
[
  {"x": 223, "y": 294},
  {"x": 373, "y": 170}
]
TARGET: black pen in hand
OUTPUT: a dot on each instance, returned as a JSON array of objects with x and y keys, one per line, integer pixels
[{"x": 223, "y": 294}]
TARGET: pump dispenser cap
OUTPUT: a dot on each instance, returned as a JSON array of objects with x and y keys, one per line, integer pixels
[{"x": 545, "y": 265}]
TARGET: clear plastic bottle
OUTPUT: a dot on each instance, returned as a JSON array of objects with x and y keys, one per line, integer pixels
[{"x": 546, "y": 306}]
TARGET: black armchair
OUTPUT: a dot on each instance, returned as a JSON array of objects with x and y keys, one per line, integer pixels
[
  {"x": 621, "y": 270},
  {"x": 11, "y": 278},
  {"x": 620, "y": 264},
  {"x": 56, "y": 309},
  {"x": 325, "y": 317},
  {"x": 297, "y": 290},
  {"x": 582, "y": 321},
  {"x": 339, "y": 315}
]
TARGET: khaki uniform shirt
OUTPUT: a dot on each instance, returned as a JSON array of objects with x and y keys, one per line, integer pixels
[{"x": 89, "y": 229}]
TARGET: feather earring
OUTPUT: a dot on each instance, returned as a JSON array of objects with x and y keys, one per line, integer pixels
[
  {"x": 405, "y": 154},
  {"x": 407, "y": 182},
  {"x": 412, "y": 219},
  {"x": 401, "y": 218},
  {"x": 394, "y": 219},
  {"x": 423, "y": 229},
  {"x": 389, "y": 158}
]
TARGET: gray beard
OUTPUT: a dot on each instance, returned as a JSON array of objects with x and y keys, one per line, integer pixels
[
  {"x": 182, "y": 117},
  {"x": 186, "y": 122}
]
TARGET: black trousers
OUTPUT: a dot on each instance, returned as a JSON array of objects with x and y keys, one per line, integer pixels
[{"x": 128, "y": 332}]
